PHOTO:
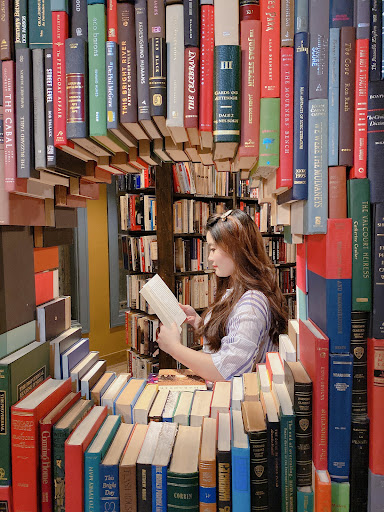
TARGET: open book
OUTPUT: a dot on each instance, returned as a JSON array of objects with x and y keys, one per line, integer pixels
[{"x": 163, "y": 302}]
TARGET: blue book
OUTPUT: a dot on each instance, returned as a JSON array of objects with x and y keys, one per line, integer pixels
[
  {"x": 375, "y": 492},
  {"x": 92, "y": 458},
  {"x": 240, "y": 459},
  {"x": 375, "y": 41},
  {"x": 160, "y": 464},
  {"x": 339, "y": 415},
  {"x": 300, "y": 117},
  {"x": 340, "y": 13},
  {"x": 73, "y": 355},
  {"x": 305, "y": 502},
  {"x": 316, "y": 207},
  {"x": 170, "y": 405},
  {"x": 329, "y": 306},
  {"x": 109, "y": 491},
  {"x": 301, "y": 16},
  {"x": 333, "y": 96}
]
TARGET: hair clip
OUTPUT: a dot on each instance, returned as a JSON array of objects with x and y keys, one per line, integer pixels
[{"x": 226, "y": 215}]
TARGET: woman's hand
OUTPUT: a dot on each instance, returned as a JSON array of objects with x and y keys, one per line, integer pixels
[
  {"x": 192, "y": 317},
  {"x": 169, "y": 338}
]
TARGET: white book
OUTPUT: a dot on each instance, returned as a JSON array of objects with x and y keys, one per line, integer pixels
[
  {"x": 144, "y": 403},
  {"x": 265, "y": 384},
  {"x": 276, "y": 367},
  {"x": 200, "y": 407},
  {"x": 78, "y": 372},
  {"x": 114, "y": 389},
  {"x": 163, "y": 302},
  {"x": 237, "y": 393},
  {"x": 221, "y": 399},
  {"x": 183, "y": 408},
  {"x": 286, "y": 349}
]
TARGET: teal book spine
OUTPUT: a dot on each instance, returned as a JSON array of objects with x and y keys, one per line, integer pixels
[
  {"x": 226, "y": 94},
  {"x": 316, "y": 207},
  {"x": 97, "y": 71},
  {"x": 333, "y": 96},
  {"x": 20, "y": 12},
  {"x": 159, "y": 488},
  {"x": 39, "y": 24},
  {"x": 359, "y": 210},
  {"x": 59, "y": 5},
  {"x": 288, "y": 463},
  {"x": 58, "y": 466},
  {"x": 304, "y": 500}
]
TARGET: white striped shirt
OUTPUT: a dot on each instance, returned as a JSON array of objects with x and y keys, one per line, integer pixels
[{"x": 247, "y": 336}]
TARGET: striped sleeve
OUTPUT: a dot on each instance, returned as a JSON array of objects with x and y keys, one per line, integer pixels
[{"x": 247, "y": 339}]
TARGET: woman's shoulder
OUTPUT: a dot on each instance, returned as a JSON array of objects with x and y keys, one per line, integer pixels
[{"x": 254, "y": 296}]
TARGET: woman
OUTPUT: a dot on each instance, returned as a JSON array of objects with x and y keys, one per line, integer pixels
[{"x": 249, "y": 311}]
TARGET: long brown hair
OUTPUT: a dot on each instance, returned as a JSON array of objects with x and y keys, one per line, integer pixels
[{"x": 237, "y": 234}]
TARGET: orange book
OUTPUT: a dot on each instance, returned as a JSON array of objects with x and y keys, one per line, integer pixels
[
  {"x": 46, "y": 258},
  {"x": 25, "y": 417},
  {"x": 75, "y": 446},
  {"x": 207, "y": 466},
  {"x": 322, "y": 491},
  {"x": 46, "y": 286},
  {"x": 375, "y": 386}
]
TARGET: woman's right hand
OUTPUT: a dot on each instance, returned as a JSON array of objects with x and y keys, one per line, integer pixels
[{"x": 192, "y": 317}]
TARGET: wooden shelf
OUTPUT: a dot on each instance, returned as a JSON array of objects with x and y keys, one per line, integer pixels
[
  {"x": 202, "y": 198},
  {"x": 149, "y": 190},
  {"x": 136, "y": 233}
]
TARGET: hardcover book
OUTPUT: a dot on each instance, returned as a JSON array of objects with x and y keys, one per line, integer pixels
[
  {"x": 76, "y": 84},
  {"x": 347, "y": 95},
  {"x": 337, "y": 192},
  {"x": 79, "y": 22},
  {"x": 48, "y": 82},
  {"x": 375, "y": 137},
  {"x": 333, "y": 96},
  {"x": 24, "y": 113},
  {"x": 240, "y": 464},
  {"x": 375, "y": 403},
  {"x": 39, "y": 24},
  {"x": 359, "y": 463},
  {"x": 377, "y": 325},
  {"x": 207, "y": 42},
  {"x": 318, "y": 49},
  {"x": 144, "y": 466},
  {"x": 375, "y": 49},
  {"x": 359, "y": 329},
  {"x": 270, "y": 48},
  {"x": 59, "y": 35},
  {"x": 285, "y": 169}
]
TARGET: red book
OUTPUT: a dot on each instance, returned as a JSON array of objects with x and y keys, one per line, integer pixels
[
  {"x": 46, "y": 286},
  {"x": 250, "y": 41},
  {"x": 45, "y": 444},
  {"x": 270, "y": 48},
  {"x": 301, "y": 266},
  {"x": 134, "y": 223},
  {"x": 330, "y": 255},
  {"x": 10, "y": 171},
  {"x": 59, "y": 35},
  {"x": 112, "y": 20},
  {"x": 207, "y": 43},
  {"x": 75, "y": 446},
  {"x": 6, "y": 498},
  {"x": 25, "y": 417},
  {"x": 249, "y": 11},
  {"x": 284, "y": 173},
  {"x": 314, "y": 355},
  {"x": 375, "y": 384},
  {"x": 359, "y": 169},
  {"x": 89, "y": 190},
  {"x": 191, "y": 94}
]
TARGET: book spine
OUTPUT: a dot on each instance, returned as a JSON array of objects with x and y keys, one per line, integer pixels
[
  {"x": 359, "y": 211},
  {"x": 157, "y": 76},
  {"x": 58, "y": 464},
  {"x": 300, "y": 117},
  {"x": 249, "y": 10},
  {"x": 340, "y": 14},
  {"x": 50, "y": 145},
  {"x": 359, "y": 329},
  {"x": 207, "y": 486},
  {"x": 127, "y": 63},
  {"x": 112, "y": 20},
  {"x": 287, "y": 23},
  {"x": 6, "y": 30},
  {"x": 76, "y": 87},
  {"x": 318, "y": 49},
  {"x": 191, "y": 23},
  {"x": 258, "y": 469},
  {"x": 359, "y": 169},
  {"x": 316, "y": 208},
  {"x": 333, "y": 96},
  {"x": 39, "y": 24},
  {"x": 127, "y": 486},
  {"x": 191, "y": 87},
  {"x": 337, "y": 193},
  {"x": 10, "y": 160},
  {"x": 377, "y": 323},
  {"x": 223, "y": 480},
  {"x": 111, "y": 54},
  {"x": 175, "y": 65},
  {"x": 320, "y": 406},
  {"x": 79, "y": 21},
  {"x": 375, "y": 42},
  {"x": 144, "y": 485},
  {"x": 250, "y": 31},
  {"x": 301, "y": 16},
  {"x": 23, "y": 113},
  {"x": 303, "y": 425},
  {"x": 38, "y": 108},
  {"x": 362, "y": 19},
  {"x": 375, "y": 401},
  {"x": 284, "y": 173},
  {"x": 20, "y": 12},
  {"x": 141, "y": 24},
  {"x": 59, "y": 5},
  {"x": 92, "y": 488},
  {"x": 375, "y": 138},
  {"x": 5, "y": 426},
  {"x": 183, "y": 491},
  {"x": 97, "y": 72},
  {"x": 159, "y": 487},
  {"x": 109, "y": 487},
  {"x": 206, "y": 67},
  {"x": 270, "y": 48},
  {"x": 340, "y": 406},
  {"x": 288, "y": 463},
  {"x": 269, "y": 144},
  {"x": 359, "y": 464},
  {"x": 347, "y": 95},
  {"x": 45, "y": 445},
  {"x": 226, "y": 112},
  {"x": 274, "y": 466},
  {"x": 59, "y": 34}
]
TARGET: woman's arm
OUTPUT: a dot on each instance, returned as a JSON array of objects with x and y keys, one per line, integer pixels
[{"x": 199, "y": 362}]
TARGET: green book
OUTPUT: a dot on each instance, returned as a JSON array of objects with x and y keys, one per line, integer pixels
[
  {"x": 17, "y": 338},
  {"x": 92, "y": 460},
  {"x": 61, "y": 431},
  {"x": 20, "y": 372},
  {"x": 269, "y": 145},
  {"x": 20, "y": 12},
  {"x": 97, "y": 71},
  {"x": 359, "y": 211},
  {"x": 39, "y": 24},
  {"x": 340, "y": 497}
]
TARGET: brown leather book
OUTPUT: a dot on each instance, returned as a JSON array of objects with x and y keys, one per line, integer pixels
[
  {"x": 347, "y": 94},
  {"x": 337, "y": 192},
  {"x": 287, "y": 27}
]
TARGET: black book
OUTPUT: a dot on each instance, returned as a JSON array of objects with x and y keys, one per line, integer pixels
[
  {"x": 299, "y": 386},
  {"x": 375, "y": 41},
  {"x": 76, "y": 85},
  {"x": 340, "y": 13},
  {"x": 359, "y": 330},
  {"x": 191, "y": 23},
  {"x": 223, "y": 463},
  {"x": 358, "y": 476},
  {"x": 375, "y": 139},
  {"x": 79, "y": 19},
  {"x": 49, "y": 138},
  {"x": 377, "y": 320},
  {"x": 24, "y": 114},
  {"x": 362, "y": 16}
]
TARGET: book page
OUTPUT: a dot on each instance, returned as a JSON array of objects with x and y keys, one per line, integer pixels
[{"x": 163, "y": 302}]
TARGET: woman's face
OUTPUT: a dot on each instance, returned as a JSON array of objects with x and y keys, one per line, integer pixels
[{"x": 222, "y": 262}]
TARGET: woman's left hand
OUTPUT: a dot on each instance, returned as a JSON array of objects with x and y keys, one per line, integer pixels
[{"x": 169, "y": 338}]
